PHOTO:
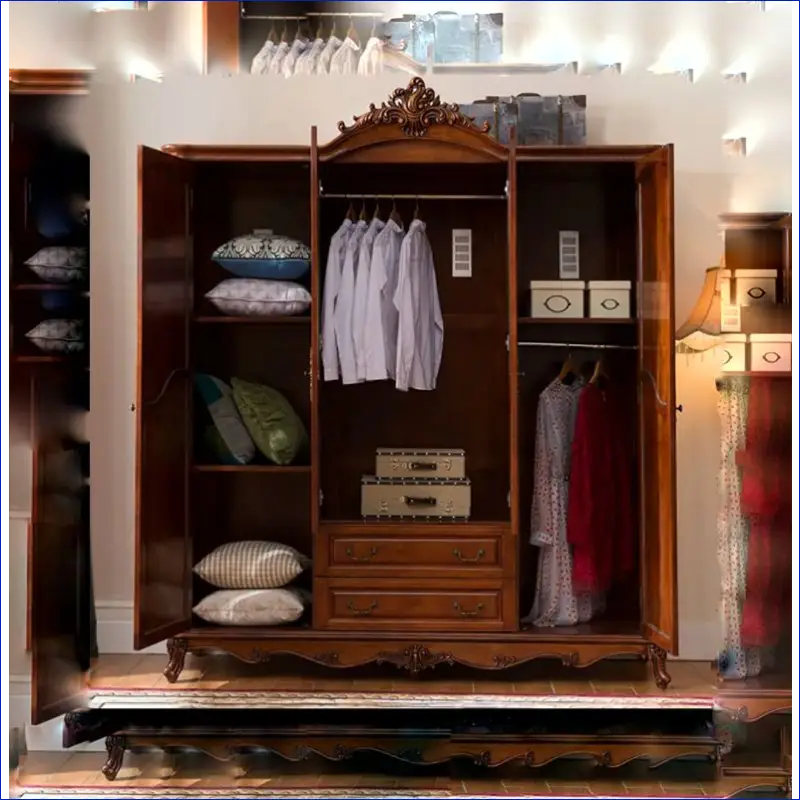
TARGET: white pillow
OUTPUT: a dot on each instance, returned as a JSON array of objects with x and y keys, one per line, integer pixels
[
  {"x": 59, "y": 264},
  {"x": 58, "y": 336},
  {"x": 253, "y": 607},
  {"x": 258, "y": 297},
  {"x": 252, "y": 565}
]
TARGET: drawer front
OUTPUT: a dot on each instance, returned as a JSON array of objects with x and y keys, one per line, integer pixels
[
  {"x": 770, "y": 356},
  {"x": 418, "y": 500},
  {"x": 349, "y": 605},
  {"x": 420, "y": 464}
]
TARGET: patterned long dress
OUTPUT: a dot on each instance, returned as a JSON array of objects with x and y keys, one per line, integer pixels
[{"x": 555, "y": 603}]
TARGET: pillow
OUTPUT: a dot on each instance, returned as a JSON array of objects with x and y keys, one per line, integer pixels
[
  {"x": 59, "y": 264},
  {"x": 274, "y": 425},
  {"x": 233, "y": 444},
  {"x": 252, "y": 297},
  {"x": 252, "y": 565},
  {"x": 262, "y": 254},
  {"x": 58, "y": 336},
  {"x": 244, "y": 607}
]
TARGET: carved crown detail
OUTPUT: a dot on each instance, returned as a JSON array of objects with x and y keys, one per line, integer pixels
[{"x": 414, "y": 110}]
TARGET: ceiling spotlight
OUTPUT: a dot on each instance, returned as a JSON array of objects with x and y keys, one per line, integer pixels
[
  {"x": 735, "y": 77},
  {"x": 736, "y": 147}
]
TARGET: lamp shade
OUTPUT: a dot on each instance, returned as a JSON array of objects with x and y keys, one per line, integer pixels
[{"x": 702, "y": 329}]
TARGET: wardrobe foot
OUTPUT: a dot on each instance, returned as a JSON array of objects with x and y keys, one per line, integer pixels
[
  {"x": 115, "y": 748},
  {"x": 176, "y": 650},
  {"x": 658, "y": 660}
]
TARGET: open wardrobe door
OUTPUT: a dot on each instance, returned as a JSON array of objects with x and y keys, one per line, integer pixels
[
  {"x": 59, "y": 614},
  {"x": 657, "y": 399},
  {"x": 162, "y": 588}
]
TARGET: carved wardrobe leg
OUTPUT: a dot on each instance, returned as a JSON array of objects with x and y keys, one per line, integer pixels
[
  {"x": 115, "y": 747},
  {"x": 658, "y": 661},
  {"x": 176, "y": 650}
]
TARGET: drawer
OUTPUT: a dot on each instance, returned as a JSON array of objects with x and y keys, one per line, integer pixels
[
  {"x": 394, "y": 604},
  {"x": 415, "y": 498}
]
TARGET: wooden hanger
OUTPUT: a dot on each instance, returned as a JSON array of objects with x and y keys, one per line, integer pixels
[
  {"x": 599, "y": 372},
  {"x": 567, "y": 369},
  {"x": 377, "y": 213},
  {"x": 285, "y": 34},
  {"x": 272, "y": 36},
  {"x": 319, "y": 29},
  {"x": 416, "y": 208},
  {"x": 352, "y": 33},
  {"x": 374, "y": 27},
  {"x": 351, "y": 212},
  {"x": 395, "y": 214},
  {"x": 362, "y": 216}
]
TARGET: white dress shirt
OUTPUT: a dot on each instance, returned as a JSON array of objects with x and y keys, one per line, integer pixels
[
  {"x": 360, "y": 298},
  {"x": 324, "y": 63},
  {"x": 420, "y": 327},
  {"x": 262, "y": 58},
  {"x": 371, "y": 61},
  {"x": 333, "y": 280},
  {"x": 277, "y": 59},
  {"x": 345, "y": 59},
  {"x": 297, "y": 49},
  {"x": 343, "y": 313},
  {"x": 307, "y": 61},
  {"x": 380, "y": 329}
]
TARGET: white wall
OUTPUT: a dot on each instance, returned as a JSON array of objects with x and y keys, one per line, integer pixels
[{"x": 635, "y": 107}]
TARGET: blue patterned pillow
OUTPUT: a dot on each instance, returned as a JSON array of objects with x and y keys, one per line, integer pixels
[
  {"x": 231, "y": 442},
  {"x": 263, "y": 254},
  {"x": 58, "y": 336}
]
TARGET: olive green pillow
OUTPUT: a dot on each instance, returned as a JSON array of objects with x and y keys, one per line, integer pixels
[{"x": 271, "y": 421}]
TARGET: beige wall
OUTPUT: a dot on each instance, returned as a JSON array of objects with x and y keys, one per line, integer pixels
[{"x": 636, "y": 107}]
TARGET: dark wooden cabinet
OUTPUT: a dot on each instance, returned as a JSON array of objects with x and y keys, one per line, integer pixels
[{"x": 414, "y": 595}]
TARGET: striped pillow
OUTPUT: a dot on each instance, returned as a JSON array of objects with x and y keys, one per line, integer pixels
[{"x": 252, "y": 565}]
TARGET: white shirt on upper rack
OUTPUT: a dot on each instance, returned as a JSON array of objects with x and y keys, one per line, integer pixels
[
  {"x": 262, "y": 58},
  {"x": 343, "y": 313},
  {"x": 307, "y": 61},
  {"x": 333, "y": 280},
  {"x": 420, "y": 327},
  {"x": 380, "y": 327},
  {"x": 295, "y": 51},
  {"x": 360, "y": 297},
  {"x": 324, "y": 62},
  {"x": 345, "y": 59},
  {"x": 371, "y": 61},
  {"x": 277, "y": 59}
]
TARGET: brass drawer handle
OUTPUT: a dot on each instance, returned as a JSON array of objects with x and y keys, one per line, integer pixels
[
  {"x": 419, "y": 501},
  {"x": 479, "y": 555},
  {"x": 373, "y": 551},
  {"x": 422, "y": 466},
  {"x": 362, "y": 612},
  {"x": 464, "y": 613}
]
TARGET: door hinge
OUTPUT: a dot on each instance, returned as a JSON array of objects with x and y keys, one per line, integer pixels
[
  {"x": 321, "y": 498},
  {"x": 508, "y": 499},
  {"x": 508, "y": 343}
]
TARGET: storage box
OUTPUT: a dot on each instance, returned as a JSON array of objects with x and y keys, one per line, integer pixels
[
  {"x": 771, "y": 352},
  {"x": 755, "y": 287},
  {"x": 412, "y": 463},
  {"x": 609, "y": 299},
  {"x": 553, "y": 299},
  {"x": 734, "y": 353},
  {"x": 420, "y": 498}
]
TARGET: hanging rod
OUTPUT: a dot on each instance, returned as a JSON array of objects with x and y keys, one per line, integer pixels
[
  {"x": 362, "y": 14},
  {"x": 274, "y": 17},
  {"x": 579, "y": 345},
  {"x": 281, "y": 17},
  {"x": 387, "y": 196}
]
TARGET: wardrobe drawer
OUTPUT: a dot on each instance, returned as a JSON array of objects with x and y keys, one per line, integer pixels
[{"x": 393, "y": 604}]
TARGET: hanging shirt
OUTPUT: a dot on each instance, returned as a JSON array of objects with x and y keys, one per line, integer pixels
[
  {"x": 555, "y": 602},
  {"x": 297, "y": 49},
  {"x": 262, "y": 58},
  {"x": 345, "y": 59},
  {"x": 420, "y": 327},
  {"x": 277, "y": 59},
  {"x": 380, "y": 328},
  {"x": 371, "y": 61},
  {"x": 360, "y": 298},
  {"x": 333, "y": 279},
  {"x": 307, "y": 61},
  {"x": 324, "y": 62},
  {"x": 343, "y": 314}
]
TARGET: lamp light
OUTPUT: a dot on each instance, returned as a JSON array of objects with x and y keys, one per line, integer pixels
[
  {"x": 703, "y": 327},
  {"x": 735, "y": 146}
]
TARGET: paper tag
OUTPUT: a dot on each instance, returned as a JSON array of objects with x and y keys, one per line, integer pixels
[{"x": 730, "y": 318}]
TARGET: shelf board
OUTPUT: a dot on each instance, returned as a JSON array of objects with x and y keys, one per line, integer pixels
[
  {"x": 253, "y": 468},
  {"x": 50, "y": 287},
  {"x": 577, "y": 321},
  {"x": 752, "y": 374},
  {"x": 212, "y": 320}
]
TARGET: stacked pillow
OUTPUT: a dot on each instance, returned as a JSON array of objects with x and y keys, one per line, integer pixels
[
  {"x": 60, "y": 264},
  {"x": 252, "y": 580},
  {"x": 267, "y": 266}
]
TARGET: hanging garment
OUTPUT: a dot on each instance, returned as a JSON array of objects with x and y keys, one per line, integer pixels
[
  {"x": 360, "y": 296},
  {"x": 380, "y": 332},
  {"x": 766, "y": 471},
  {"x": 345, "y": 59},
  {"x": 280, "y": 54},
  {"x": 343, "y": 314},
  {"x": 324, "y": 62},
  {"x": 420, "y": 326},
  {"x": 555, "y": 602},
  {"x": 371, "y": 61},
  {"x": 600, "y": 516},
  {"x": 394, "y": 60},
  {"x": 295, "y": 51},
  {"x": 307, "y": 61},
  {"x": 735, "y": 661},
  {"x": 333, "y": 279},
  {"x": 262, "y": 58}
]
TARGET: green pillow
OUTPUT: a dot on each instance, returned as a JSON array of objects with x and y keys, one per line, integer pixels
[{"x": 271, "y": 421}]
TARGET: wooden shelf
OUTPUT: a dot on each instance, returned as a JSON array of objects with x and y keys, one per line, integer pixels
[
  {"x": 578, "y": 321},
  {"x": 49, "y": 287},
  {"x": 211, "y": 320},
  {"x": 752, "y": 374},
  {"x": 253, "y": 468}
]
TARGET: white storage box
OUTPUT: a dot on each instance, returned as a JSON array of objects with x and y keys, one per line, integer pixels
[
  {"x": 755, "y": 287},
  {"x": 771, "y": 352},
  {"x": 734, "y": 353},
  {"x": 610, "y": 299},
  {"x": 557, "y": 299}
]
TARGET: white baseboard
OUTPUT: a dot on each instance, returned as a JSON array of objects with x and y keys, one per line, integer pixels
[{"x": 115, "y": 629}]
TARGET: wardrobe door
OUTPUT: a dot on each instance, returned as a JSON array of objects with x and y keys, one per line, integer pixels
[
  {"x": 162, "y": 599},
  {"x": 657, "y": 399}
]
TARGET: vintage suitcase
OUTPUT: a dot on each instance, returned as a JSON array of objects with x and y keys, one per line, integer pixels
[
  {"x": 415, "y": 498},
  {"x": 408, "y": 463}
]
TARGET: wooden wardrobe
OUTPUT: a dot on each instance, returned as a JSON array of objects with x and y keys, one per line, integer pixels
[{"x": 413, "y": 595}]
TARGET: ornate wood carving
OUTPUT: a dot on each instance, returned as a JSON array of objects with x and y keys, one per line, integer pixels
[
  {"x": 115, "y": 748},
  {"x": 414, "y": 110},
  {"x": 658, "y": 661},
  {"x": 415, "y": 658},
  {"x": 176, "y": 650}
]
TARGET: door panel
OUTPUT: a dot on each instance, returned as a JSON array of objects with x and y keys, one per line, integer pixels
[
  {"x": 657, "y": 399},
  {"x": 162, "y": 602}
]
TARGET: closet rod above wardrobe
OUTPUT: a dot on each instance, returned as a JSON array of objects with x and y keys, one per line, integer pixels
[
  {"x": 387, "y": 196},
  {"x": 579, "y": 345},
  {"x": 354, "y": 15}
]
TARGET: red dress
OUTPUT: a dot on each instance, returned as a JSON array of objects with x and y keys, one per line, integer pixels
[
  {"x": 766, "y": 500},
  {"x": 600, "y": 514}
]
